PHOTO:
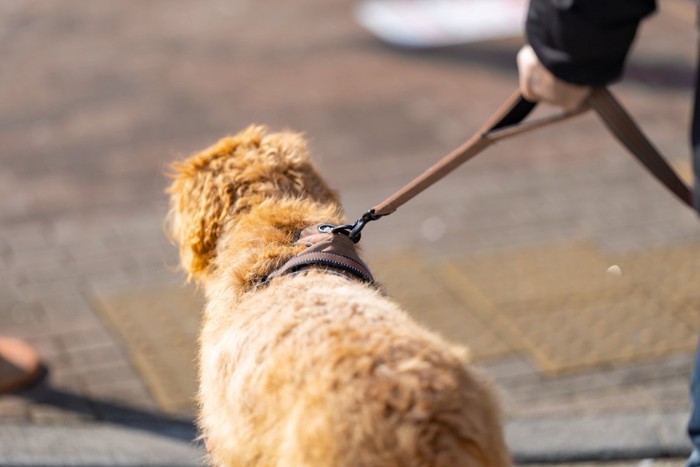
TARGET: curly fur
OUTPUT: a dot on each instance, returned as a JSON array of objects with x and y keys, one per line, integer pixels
[{"x": 312, "y": 369}]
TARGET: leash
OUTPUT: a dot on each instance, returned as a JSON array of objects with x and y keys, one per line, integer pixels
[
  {"x": 508, "y": 122},
  {"x": 631, "y": 136}
]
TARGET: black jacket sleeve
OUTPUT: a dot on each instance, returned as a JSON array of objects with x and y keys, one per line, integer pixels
[{"x": 584, "y": 41}]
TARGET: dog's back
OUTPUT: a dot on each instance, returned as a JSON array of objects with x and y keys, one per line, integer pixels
[{"x": 342, "y": 377}]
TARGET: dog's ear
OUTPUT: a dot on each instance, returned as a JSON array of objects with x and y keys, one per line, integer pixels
[
  {"x": 201, "y": 195},
  {"x": 214, "y": 186}
]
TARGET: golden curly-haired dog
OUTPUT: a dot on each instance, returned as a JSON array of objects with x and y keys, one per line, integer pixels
[{"x": 312, "y": 368}]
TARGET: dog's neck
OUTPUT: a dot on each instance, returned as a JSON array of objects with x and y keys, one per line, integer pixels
[
  {"x": 261, "y": 240},
  {"x": 325, "y": 249}
]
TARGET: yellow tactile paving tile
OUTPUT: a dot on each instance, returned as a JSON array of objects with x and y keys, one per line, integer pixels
[
  {"x": 420, "y": 290},
  {"x": 461, "y": 325},
  {"x": 672, "y": 271},
  {"x": 599, "y": 333},
  {"x": 689, "y": 312},
  {"x": 568, "y": 313},
  {"x": 539, "y": 272},
  {"x": 159, "y": 327},
  {"x": 554, "y": 303},
  {"x": 404, "y": 273}
]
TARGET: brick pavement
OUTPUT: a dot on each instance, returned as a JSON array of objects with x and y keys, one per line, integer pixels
[{"x": 96, "y": 98}]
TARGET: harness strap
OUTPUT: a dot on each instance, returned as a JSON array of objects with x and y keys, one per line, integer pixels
[
  {"x": 332, "y": 260},
  {"x": 327, "y": 249}
]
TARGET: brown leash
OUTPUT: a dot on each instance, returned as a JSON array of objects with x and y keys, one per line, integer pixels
[
  {"x": 631, "y": 136},
  {"x": 508, "y": 122}
]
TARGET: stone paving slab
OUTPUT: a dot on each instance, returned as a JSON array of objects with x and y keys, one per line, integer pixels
[
  {"x": 599, "y": 438},
  {"x": 99, "y": 445},
  {"x": 159, "y": 327},
  {"x": 553, "y": 440}
]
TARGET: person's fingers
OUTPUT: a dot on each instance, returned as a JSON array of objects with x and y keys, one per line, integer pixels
[
  {"x": 538, "y": 84},
  {"x": 527, "y": 62},
  {"x": 566, "y": 95}
]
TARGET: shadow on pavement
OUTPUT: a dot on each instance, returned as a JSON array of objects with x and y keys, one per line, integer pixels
[{"x": 94, "y": 409}]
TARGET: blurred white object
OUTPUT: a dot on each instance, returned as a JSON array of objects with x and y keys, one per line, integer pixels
[
  {"x": 435, "y": 23},
  {"x": 433, "y": 229},
  {"x": 614, "y": 270}
]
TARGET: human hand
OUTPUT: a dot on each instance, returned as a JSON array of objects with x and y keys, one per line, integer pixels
[{"x": 539, "y": 84}]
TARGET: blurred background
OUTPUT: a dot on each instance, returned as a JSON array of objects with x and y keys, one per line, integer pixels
[{"x": 508, "y": 255}]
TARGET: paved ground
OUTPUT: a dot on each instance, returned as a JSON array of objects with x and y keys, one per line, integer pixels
[{"x": 509, "y": 254}]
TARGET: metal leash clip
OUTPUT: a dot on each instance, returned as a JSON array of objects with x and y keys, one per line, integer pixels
[{"x": 354, "y": 231}]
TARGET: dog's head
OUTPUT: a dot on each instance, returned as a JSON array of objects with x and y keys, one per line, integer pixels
[{"x": 213, "y": 189}]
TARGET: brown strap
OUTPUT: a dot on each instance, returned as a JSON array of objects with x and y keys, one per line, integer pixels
[
  {"x": 628, "y": 133},
  {"x": 453, "y": 160},
  {"x": 506, "y": 123},
  {"x": 326, "y": 249},
  {"x": 323, "y": 258},
  {"x": 503, "y": 124}
]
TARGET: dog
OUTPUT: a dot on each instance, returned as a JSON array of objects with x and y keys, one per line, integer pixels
[{"x": 314, "y": 366}]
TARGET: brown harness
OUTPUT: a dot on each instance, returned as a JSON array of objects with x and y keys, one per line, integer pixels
[{"x": 326, "y": 250}]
